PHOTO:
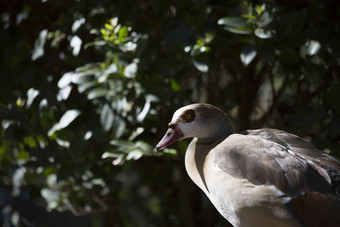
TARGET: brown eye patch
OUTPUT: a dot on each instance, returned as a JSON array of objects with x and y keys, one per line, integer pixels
[{"x": 188, "y": 115}]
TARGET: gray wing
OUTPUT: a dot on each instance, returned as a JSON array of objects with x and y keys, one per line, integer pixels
[
  {"x": 298, "y": 145},
  {"x": 292, "y": 165},
  {"x": 265, "y": 157}
]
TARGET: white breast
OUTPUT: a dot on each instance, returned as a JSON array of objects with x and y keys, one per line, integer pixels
[{"x": 237, "y": 200}]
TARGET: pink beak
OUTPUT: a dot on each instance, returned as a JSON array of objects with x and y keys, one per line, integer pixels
[{"x": 172, "y": 135}]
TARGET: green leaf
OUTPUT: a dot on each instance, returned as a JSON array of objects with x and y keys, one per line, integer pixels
[
  {"x": 108, "y": 26},
  {"x": 122, "y": 34},
  {"x": 30, "y": 141},
  {"x": 170, "y": 151},
  {"x": 174, "y": 85},
  {"x": 23, "y": 155},
  {"x": 260, "y": 8}
]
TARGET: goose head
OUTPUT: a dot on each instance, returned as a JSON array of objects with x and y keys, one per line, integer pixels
[{"x": 202, "y": 121}]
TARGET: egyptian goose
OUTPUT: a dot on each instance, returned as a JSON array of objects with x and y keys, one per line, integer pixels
[{"x": 263, "y": 177}]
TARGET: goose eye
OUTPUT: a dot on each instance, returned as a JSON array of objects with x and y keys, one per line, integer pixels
[{"x": 188, "y": 115}]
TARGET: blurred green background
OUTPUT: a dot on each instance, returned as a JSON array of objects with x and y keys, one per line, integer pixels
[{"x": 87, "y": 89}]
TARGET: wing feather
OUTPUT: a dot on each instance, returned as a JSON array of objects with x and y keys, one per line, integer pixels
[
  {"x": 308, "y": 176},
  {"x": 265, "y": 160}
]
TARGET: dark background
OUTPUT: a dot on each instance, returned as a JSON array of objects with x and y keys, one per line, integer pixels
[{"x": 87, "y": 89}]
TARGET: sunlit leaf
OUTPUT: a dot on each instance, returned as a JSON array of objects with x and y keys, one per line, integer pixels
[
  {"x": 129, "y": 46},
  {"x": 98, "y": 181},
  {"x": 119, "y": 126},
  {"x": 68, "y": 117},
  {"x": 18, "y": 178},
  {"x": 108, "y": 154},
  {"x": 263, "y": 34},
  {"x": 232, "y": 21},
  {"x": 136, "y": 133},
  {"x": 64, "y": 121},
  {"x": 122, "y": 145},
  {"x": 97, "y": 43},
  {"x": 248, "y": 54},
  {"x": 88, "y": 135},
  {"x": 20, "y": 102},
  {"x": 81, "y": 78},
  {"x": 313, "y": 47},
  {"x": 118, "y": 160},
  {"x": 39, "y": 44},
  {"x": 170, "y": 151},
  {"x": 51, "y": 196},
  {"x": 15, "y": 218},
  {"x": 264, "y": 20},
  {"x": 143, "y": 146},
  {"x": 111, "y": 69},
  {"x": 145, "y": 110},
  {"x": 77, "y": 23},
  {"x": 65, "y": 92},
  {"x": 108, "y": 26},
  {"x": 31, "y": 95},
  {"x": 96, "y": 93},
  {"x": 106, "y": 117},
  {"x": 51, "y": 180},
  {"x": 241, "y": 30},
  {"x": 260, "y": 8},
  {"x": 134, "y": 155},
  {"x": 131, "y": 70},
  {"x": 201, "y": 66},
  {"x": 65, "y": 80},
  {"x": 63, "y": 143},
  {"x": 84, "y": 86},
  {"x": 76, "y": 45}
]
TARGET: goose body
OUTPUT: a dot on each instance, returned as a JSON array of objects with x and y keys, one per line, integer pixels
[{"x": 263, "y": 177}]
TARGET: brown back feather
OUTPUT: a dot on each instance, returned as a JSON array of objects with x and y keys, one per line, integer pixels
[{"x": 316, "y": 210}]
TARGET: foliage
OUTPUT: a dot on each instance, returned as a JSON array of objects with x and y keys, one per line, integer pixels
[{"x": 89, "y": 86}]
